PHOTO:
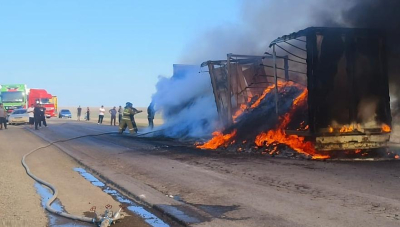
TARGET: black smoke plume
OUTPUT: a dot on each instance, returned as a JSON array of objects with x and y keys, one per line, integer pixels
[{"x": 381, "y": 14}]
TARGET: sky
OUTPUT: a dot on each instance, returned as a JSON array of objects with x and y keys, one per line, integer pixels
[{"x": 102, "y": 52}]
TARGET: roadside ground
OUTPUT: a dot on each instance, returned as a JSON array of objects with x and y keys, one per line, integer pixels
[{"x": 20, "y": 202}]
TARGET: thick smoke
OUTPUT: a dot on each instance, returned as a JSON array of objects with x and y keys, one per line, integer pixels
[
  {"x": 186, "y": 102},
  {"x": 190, "y": 98},
  {"x": 261, "y": 22},
  {"x": 381, "y": 14}
]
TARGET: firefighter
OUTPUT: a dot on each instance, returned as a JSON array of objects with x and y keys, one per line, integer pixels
[
  {"x": 132, "y": 118},
  {"x": 127, "y": 115}
]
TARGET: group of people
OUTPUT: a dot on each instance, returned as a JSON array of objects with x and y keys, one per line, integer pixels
[
  {"x": 37, "y": 115},
  {"x": 87, "y": 114},
  {"x": 125, "y": 116}
]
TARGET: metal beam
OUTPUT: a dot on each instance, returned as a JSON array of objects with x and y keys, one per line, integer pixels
[
  {"x": 228, "y": 69},
  {"x": 276, "y": 80}
]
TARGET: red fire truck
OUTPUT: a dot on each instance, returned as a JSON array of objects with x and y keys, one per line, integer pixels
[{"x": 41, "y": 96}]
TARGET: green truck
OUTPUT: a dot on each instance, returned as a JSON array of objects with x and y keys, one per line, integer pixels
[{"x": 14, "y": 96}]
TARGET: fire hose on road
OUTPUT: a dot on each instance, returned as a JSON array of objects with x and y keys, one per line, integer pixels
[{"x": 101, "y": 220}]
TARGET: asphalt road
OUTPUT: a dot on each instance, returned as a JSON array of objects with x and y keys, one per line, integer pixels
[{"x": 208, "y": 188}]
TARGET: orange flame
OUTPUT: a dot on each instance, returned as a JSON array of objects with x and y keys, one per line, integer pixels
[
  {"x": 277, "y": 136},
  {"x": 386, "y": 128},
  {"x": 295, "y": 142},
  {"x": 239, "y": 112},
  {"x": 266, "y": 91},
  {"x": 301, "y": 100},
  {"x": 243, "y": 107},
  {"x": 347, "y": 128},
  {"x": 219, "y": 139}
]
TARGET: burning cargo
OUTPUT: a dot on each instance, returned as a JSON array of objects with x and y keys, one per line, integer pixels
[{"x": 320, "y": 89}]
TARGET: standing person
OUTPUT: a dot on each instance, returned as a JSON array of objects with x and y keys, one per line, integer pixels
[
  {"x": 150, "y": 114},
  {"x": 126, "y": 118},
  {"x": 113, "y": 113},
  {"x": 132, "y": 118},
  {"x": 3, "y": 115},
  {"x": 31, "y": 115},
  {"x": 79, "y": 111},
  {"x": 101, "y": 115},
  {"x": 120, "y": 111},
  {"x": 42, "y": 116},
  {"x": 36, "y": 115},
  {"x": 88, "y": 114}
]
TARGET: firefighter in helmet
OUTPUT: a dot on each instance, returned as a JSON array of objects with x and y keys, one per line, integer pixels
[{"x": 128, "y": 120}]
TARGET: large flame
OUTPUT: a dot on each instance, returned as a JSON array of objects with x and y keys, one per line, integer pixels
[
  {"x": 276, "y": 136},
  {"x": 295, "y": 142},
  {"x": 219, "y": 139}
]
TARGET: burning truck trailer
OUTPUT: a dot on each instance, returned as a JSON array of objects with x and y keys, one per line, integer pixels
[{"x": 321, "y": 93}]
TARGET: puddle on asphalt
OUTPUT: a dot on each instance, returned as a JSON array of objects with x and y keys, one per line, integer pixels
[
  {"x": 148, "y": 217},
  {"x": 55, "y": 220},
  {"x": 217, "y": 211},
  {"x": 174, "y": 210}
]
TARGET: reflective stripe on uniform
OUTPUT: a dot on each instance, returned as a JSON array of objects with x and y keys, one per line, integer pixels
[{"x": 127, "y": 114}]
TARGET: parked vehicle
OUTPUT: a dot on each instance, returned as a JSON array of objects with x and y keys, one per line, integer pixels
[
  {"x": 41, "y": 96},
  {"x": 13, "y": 96},
  {"x": 18, "y": 116},
  {"x": 54, "y": 100},
  {"x": 65, "y": 113}
]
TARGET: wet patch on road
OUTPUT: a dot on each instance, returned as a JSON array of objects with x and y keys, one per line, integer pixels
[
  {"x": 55, "y": 220},
  {"x": 177, "y": 212},
  {"x": 131, "y": 206},
  {"x": 216, "y": 211}
]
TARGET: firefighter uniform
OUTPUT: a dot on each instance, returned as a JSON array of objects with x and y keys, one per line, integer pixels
[{"x": 126, "y": 120}]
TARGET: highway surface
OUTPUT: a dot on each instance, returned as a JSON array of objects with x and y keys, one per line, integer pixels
[{"x": 185, "y": 186}]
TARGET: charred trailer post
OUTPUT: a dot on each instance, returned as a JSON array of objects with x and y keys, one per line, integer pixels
[{"x": 344, "y": 71}]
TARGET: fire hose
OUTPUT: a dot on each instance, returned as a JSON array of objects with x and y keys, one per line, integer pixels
[{"x": 102, "y": 220}]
